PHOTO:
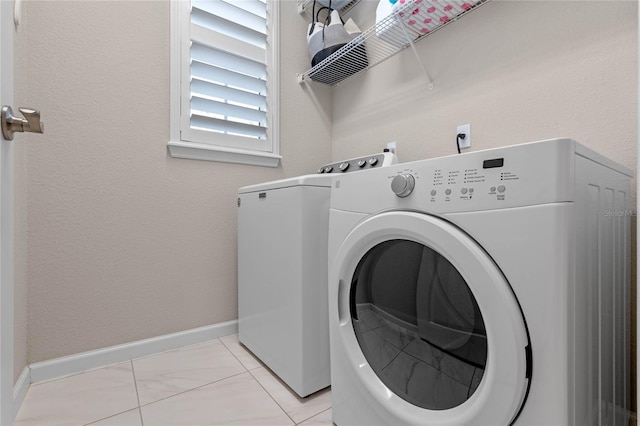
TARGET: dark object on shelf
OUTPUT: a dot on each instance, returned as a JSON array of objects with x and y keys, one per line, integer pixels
[{"x": 325, "y": 39}]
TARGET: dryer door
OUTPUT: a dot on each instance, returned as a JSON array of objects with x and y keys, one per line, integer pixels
[{"x": 430, "y": 323}]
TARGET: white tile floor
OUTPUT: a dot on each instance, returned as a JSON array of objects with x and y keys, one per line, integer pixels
[{"x": 213, "y": 383}]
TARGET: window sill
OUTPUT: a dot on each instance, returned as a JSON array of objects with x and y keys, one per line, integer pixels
[{"x": 199, "y": 151}]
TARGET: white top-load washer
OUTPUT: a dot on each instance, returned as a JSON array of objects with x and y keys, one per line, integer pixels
[
  {"x": 282, "y": 272},
  {"x": 488, "y": 288}
]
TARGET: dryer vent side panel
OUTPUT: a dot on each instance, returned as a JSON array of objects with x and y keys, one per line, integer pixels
[{"x": 601, "y": 346}]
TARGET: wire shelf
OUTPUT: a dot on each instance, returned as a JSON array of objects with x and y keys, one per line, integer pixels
[{"x": 414, "y": 20}]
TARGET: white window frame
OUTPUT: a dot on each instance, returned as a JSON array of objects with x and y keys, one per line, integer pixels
[{"x": 183, "y": 144}]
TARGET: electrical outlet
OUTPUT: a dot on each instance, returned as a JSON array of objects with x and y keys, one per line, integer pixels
[
  {"x": 391, "y": 146},
  {"x": 465, "y": 129}
]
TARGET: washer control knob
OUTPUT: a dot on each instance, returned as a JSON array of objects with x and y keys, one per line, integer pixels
[
  {"x": 402, "y": 185},
  {"x": 328, "y": 169},
  {"x": 373, "y": 161},
  {"x": 362, "y": 163},
  {"x": 321, "y": 170},
  {"x": 344, "y": 166}
]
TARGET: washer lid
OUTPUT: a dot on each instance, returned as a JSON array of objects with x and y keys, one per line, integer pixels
[
  {"x": 306, "y": 180},
  {"x": 431, "y": 325}
]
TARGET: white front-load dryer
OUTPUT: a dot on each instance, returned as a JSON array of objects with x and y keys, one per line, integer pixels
[{"x": 489, "y": 288}]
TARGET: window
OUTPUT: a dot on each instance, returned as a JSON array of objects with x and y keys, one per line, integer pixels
[{"x": 224, "y": 93}]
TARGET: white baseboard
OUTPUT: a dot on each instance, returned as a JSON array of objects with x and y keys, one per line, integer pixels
[
  {"x": 77, "y": 363},
  {"x": 20, "y": 389}
]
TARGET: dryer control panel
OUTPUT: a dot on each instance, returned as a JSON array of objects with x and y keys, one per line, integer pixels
[
  {"x": 484, "y": 180},
  {"x": 488, "y": 178},
  {"x": 519, "y": 175}
]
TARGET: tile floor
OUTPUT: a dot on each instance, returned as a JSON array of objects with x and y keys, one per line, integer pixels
[{"x": 213, "y": 383}]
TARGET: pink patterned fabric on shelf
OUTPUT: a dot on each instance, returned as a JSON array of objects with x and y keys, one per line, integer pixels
[{"x": 419, "y": 17}]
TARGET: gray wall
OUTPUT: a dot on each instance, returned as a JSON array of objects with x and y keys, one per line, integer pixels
[{"x": 125, "y": 242}]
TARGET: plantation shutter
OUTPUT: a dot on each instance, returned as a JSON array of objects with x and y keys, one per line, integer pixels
[{"x": 228, "y": 74}]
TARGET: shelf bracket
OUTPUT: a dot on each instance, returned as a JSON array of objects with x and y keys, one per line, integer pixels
[
  {"x": 415, "y": 52},
  {"x": 305, "y": 5}
]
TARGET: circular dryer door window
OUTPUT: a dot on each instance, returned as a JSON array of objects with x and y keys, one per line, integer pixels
[
  {"x": 430, "y": 325},
  {"x": 418, "y": 324}
]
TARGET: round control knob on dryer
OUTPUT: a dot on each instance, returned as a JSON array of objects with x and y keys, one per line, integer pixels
[
  {"x": 344, "y": 166},
  {"x": 402, "y": 185}
]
